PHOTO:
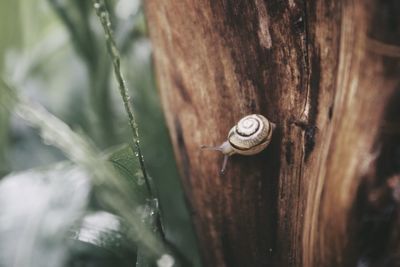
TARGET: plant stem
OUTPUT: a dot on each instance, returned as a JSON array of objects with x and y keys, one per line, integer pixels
[{"x": 113, "y": 51}]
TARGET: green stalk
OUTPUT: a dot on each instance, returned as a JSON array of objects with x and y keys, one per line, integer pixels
[{"x": 113, "y": 51}]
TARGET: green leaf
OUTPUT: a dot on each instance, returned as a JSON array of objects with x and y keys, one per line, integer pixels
[
  {"x": 127, "y": 165},
  {"x": 101, "y": 240}
]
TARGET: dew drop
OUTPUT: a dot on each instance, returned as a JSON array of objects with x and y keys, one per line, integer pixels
[
  {"x": 165, "y": 260},
  {"x": 140, "y": 178}
]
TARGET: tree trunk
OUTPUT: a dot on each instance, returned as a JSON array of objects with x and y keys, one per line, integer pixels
[{"x": 324, "y": 71}]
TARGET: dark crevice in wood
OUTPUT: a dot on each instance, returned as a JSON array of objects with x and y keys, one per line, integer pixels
[
  {"x": 306, "y": 45},
  {"x": 313, "y": 78},
  {"x": 299, "y": 25},
  {"x": 309, "y": 136},
  {"x": 269, "y": 209},
  {"x": 182, "y": 149},
  {"x": 181, "y": 88},
  {"x": 289, "y": 152},
  {"x": 330, "y": 112}
]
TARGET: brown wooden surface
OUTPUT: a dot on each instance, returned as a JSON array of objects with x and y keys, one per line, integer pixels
[{"x": 324, "y": 72}]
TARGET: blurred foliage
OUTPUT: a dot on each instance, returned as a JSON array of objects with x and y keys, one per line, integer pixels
[
  {"x": 54, "y": 53},
  {"x": 48, "y": 193}
]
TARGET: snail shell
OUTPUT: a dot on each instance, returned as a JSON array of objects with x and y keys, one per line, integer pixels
[{"x": 249, "y": 136}]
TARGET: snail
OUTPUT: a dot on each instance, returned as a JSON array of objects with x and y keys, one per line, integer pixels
[{"x": 249, "y": 136}]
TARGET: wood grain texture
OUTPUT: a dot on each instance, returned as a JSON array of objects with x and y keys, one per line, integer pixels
[{"x": 316, "y": 69}]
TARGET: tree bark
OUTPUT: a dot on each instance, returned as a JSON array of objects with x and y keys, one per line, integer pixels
[{"x": 325, "y": 72}]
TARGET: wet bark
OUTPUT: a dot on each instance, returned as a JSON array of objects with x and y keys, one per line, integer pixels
[{"x": 327, "y": 73}]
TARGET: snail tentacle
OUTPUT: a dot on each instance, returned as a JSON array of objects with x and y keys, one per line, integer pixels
[{"x": 224, "y": 164}]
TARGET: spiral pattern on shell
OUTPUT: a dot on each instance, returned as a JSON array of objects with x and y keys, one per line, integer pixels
[{"x": 251, "y": 134}]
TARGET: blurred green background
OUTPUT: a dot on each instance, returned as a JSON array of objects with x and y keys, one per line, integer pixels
[{"x": 54, "y": 52}]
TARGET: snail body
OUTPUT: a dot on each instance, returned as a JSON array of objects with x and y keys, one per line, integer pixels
[{"x": 249, "y": 136}]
